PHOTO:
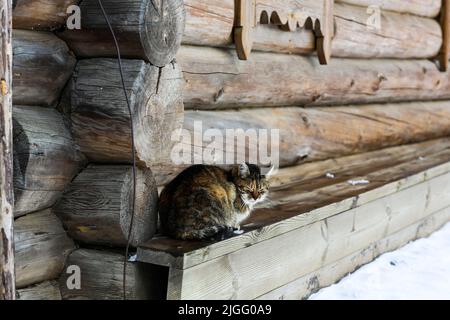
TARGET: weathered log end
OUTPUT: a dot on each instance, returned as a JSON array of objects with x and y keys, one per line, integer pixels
[
  {"x": 102, "y": 276},
  {"x": 100, "y": 117},
  {"x": 42, "y": 65},
  {"x": 41, "y": 247},
  {"x": 40, "y": 14},
  {"x": 97, "y": 206},
  {"x": 145, "y": 29},
  {"x": 45, "y": 158}
]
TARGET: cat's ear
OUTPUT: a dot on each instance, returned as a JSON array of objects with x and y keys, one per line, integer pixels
[
  {"x": 244, "y": 170},
  {"x": 271, "y": 172}
]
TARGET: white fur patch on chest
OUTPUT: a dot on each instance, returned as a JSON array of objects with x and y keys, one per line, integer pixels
[{"x": 242, "y": 216}]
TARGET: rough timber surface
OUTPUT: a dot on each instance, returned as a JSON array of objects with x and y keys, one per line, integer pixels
[
  {"x": 297, "y": 201},
  {"x": 216, "y": 79},
  {"x": 402, "y": 36},
  {"x": 385, "y": 223}
]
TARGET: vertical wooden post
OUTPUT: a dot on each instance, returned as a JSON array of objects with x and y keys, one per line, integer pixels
[
  {"x": 7, "y": 276},
  {"x": 445, "y": 22}
]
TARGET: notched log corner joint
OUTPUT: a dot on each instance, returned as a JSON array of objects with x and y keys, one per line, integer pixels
[
  {"x": 445, "y": 23},
  {"x": 315, "y": 15}
]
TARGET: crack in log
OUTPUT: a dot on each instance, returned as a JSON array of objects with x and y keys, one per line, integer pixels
[{"x": 213, "y": 73}]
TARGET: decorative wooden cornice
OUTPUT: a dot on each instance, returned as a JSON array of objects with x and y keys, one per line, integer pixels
[
  {"x": 445, "y": 23},
  {"x": 289, "y": 15}
]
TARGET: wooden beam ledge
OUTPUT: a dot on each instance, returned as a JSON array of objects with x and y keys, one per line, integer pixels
[{"x": 319, "y": 219}]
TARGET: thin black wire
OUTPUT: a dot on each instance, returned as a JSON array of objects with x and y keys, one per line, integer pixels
[{"x": 119, "y": 59}]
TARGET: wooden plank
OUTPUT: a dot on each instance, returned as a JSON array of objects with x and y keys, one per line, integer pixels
[
  {"x": 327, "y": 275},
  {"x": 216, "y": 79},
  {"x": 253, "y": 271},
  {"x": 7, "y": 283},
  {"x": 210, "y": 23},
  {"x": 298, "y": 205}
]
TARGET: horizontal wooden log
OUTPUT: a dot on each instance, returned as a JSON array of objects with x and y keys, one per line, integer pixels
[
  {"x": 102, "y": 277},
  {"x": 305, "y": 194},
  {"x": 216, "y": 79},
  {"x": 40, "y": 14},
  {"x": 42, "y": 246},
  {"x": 48, "y": 290},
  {"x": 145, "y": 29},
  {"x": 45, "y": 158},
  {"x": 100, "y": 117},
  {"x": 42, "y": 65},
  {"x": 399, "y": 36},
  {"x": 210, "y": 23},
  {"x": 313, "y": 134},
  {"x": 427, "y": 8},
  {"x": 97, "y": 206},
  {"x": 322, "y": 173}
]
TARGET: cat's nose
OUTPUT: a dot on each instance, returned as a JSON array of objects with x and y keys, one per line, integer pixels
[{"x": 255, "y": 196}]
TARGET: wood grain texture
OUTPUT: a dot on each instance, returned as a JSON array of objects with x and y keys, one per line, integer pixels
[
  {"x": 426, "y": 8},
  {"x": 48, "y": 290},
  {"x": 445, "y": 23},
  {"x": 45, "y": 158},
  {"x": 102, "y": 274},
  {"x": 312, "y": 134},
  {"x": 145, "y": 29},
  {"x": 216, "y": 79},
  {"x": 316, "y": 16},
  {"x": 258, "y": 269},
  {"x": 7, "y": 277},
  {"x": 41, "y": 14},
  {"x": 296, "y": 201},
  {"x": 400, "y": 36},
  {"x": 41, "y": 67},
  {"x": 100, "y": 117},
  {"x": 97, "y": 206},
  {"x": 303, "y": 287},
  {"x": 210, "y": 23},
  {"x": 42, "y": 246}
]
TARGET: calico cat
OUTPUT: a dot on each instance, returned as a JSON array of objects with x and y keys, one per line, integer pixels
[{"x": 203, "y": 201}]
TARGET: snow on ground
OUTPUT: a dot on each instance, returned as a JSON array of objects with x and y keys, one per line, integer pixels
[{"x": 419, "y": 270}]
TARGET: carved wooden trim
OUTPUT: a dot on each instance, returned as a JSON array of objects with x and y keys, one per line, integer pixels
[
  {"x": 289, "y": 15},
  {"x": 445, "y": 23}
]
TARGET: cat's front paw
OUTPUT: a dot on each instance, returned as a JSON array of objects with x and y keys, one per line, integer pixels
[{"x": 224, "y": 233}]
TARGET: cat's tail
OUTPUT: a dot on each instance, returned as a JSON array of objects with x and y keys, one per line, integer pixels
[{"x": 201, "y": 234}]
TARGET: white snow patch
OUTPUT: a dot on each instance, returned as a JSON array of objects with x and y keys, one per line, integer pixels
[
  {"x": 419, "y": 270},
  {"x": 132, "y": 258},
  {"x": 358, "y": 182},
  {"x": 330, "y": 175}
]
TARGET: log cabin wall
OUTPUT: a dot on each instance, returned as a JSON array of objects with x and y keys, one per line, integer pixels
[
  {"x": 63, "y": 193},
  {"x": 72, "y": 167}
]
